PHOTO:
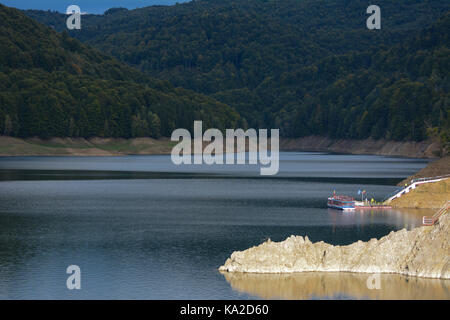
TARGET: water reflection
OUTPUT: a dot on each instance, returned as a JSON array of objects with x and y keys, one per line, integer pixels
[
  {"x": 333, "y": 285},
  {"x": 401, "y": 217}
]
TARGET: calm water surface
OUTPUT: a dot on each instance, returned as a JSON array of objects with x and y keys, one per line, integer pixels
[{"x": 140, "y": 227}]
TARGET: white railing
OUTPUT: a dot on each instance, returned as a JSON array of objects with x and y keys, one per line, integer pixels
[
  {"x": 430, "y": 178},
  {"x": 415, "y": 184}
]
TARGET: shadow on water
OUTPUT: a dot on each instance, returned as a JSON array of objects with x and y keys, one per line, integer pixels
[
  {"x": 68, "y": 175},
  {"x": 334, "y": 285}
]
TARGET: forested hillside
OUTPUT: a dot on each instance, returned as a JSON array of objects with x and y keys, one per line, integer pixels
[
  {"x": 307, "y": 67},
  {"x": 52, "y": 85},
  {"x": 396, "y": 92}
]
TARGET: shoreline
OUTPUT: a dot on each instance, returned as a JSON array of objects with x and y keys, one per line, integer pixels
[
  {"x": 97, "y": 146},
  {"x": 408, "y": 149},
  {"x": 421, "y": 252}
]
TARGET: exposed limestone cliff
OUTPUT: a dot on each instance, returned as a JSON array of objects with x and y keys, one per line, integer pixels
[{"x": 422, "y": 252}]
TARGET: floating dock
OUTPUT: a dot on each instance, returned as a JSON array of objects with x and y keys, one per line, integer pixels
[
  {"x": 362, "y": 205},
  {"x": 381, "y": 206}
]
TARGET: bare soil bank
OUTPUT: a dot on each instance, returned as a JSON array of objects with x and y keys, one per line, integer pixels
[
  {"x": 115, "y": 146},
  {"x": 423, "y": 149},
  {"x": 83, "y": 147},
  {"x": 429, "y": 195},
  {"x": 433, "y": 169}
]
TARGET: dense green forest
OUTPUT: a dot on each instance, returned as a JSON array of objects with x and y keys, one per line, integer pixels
[
  {"x": 53, "y": 85},
  {"x": 307, "y": 67},
  {"x": 396, "y": 92}
]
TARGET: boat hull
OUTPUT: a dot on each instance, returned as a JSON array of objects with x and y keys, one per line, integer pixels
[
  {"x": 341, "y": 203},
  {"x": 343, "y": 208}
]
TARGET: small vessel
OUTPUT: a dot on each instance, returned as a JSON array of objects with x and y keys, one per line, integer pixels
[{"x": 341, "y": 202}]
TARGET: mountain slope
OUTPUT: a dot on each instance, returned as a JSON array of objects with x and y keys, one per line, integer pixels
[
  {"x": 52, "y": 85},
  {"x": 398, "y": 92},
  {"x": 307, "y": 67}
]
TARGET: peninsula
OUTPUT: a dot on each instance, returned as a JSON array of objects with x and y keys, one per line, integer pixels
[{"x": 421, "y": 252}]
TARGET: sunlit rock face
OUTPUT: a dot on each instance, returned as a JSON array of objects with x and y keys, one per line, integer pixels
[{"x": 422, "y": 252}]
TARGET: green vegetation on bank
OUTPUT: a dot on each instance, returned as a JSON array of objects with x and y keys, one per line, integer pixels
[
  {"x": 307, "y": 67},
  {"x": 51, "y": 85}
]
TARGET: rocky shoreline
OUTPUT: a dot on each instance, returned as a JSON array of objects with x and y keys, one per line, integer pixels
[
  {"x": 98, "y": 146},
  {"x": 421, "y": 252}
]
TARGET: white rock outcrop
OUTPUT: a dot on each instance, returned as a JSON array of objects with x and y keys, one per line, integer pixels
[{"x": 422, "y": 252}]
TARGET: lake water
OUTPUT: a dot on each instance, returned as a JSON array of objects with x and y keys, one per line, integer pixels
[{"x": 142, "y": 228}]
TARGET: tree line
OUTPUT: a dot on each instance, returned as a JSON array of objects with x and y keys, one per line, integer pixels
[{"x": 53, "y": 85}]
